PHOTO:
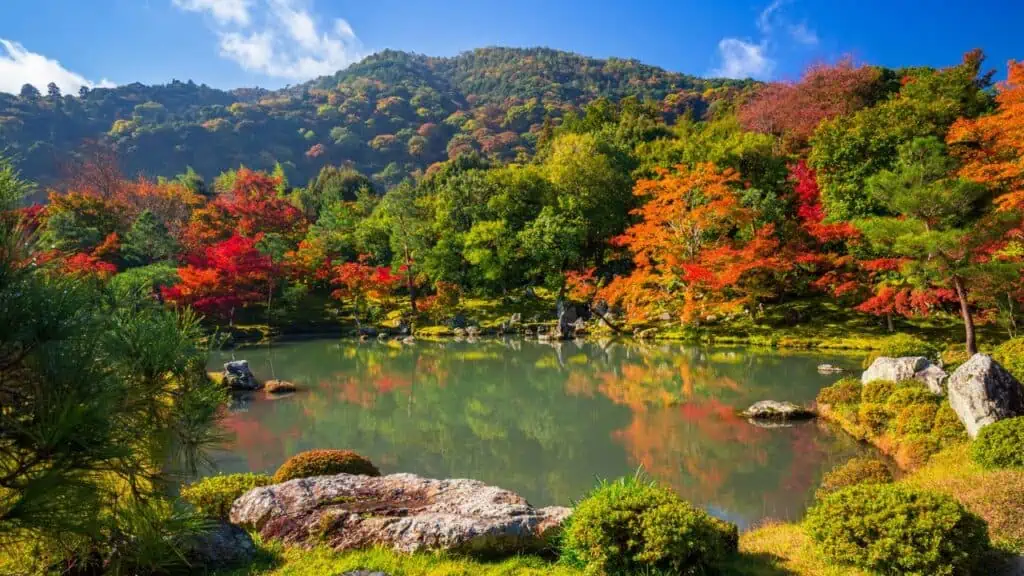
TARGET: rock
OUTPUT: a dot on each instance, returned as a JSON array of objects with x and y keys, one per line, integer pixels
[
  {"x": 579, "y": 327},
  {"x": 982, "y": 392},
  {"x": 279, "y": 386},
  {"x": 237, "y": 376},
  {"x": 567, "y": 317},
  {"x": 906, "y": 368},
  {"x": 772, "y": 410},
  {"x": 934, "y": 377},
  {"x": 664, "y": 317},
  {"x": 647, "y": 333},
  {"x": 408, "y": 340},
  {"x": 473, "y": 331},
  {"x": 224, "y": 546},
  {"x": 829, "y": 369},
  {"x": 402, "y": 511},
  {"x": 403, "y": 329},
  {"x": 459, "y": 332}
]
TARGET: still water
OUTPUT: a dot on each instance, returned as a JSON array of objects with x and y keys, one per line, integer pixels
[{"x": 547, "y": 420}]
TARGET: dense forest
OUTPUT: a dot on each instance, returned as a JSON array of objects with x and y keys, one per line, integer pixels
[
  {"x": 891, "y": 191},
  {"x": 390, "y": 116}
]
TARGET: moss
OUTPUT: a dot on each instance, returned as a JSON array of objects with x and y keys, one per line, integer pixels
[
  {"x": 323, "y": 463},
  {"x": 953, "y": 355},
  {"x": 901, "y": 345},
  {"x": 877, "y": 391},
  {"x": 915, "y": 450}
]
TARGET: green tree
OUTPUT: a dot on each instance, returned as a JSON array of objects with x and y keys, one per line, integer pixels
[
  {"x": 147, "y": 241},
  {"x": 937, "y": 222}
]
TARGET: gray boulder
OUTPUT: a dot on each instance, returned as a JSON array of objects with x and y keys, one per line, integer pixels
[
  {"x": 402, "y": 511},
  {"x": 237, "y": 376},
  {"x": 906, "y": 368},
  {"x": 223, "y": 546},
  {"x": 982, "y": 392},
  {"x": 777, "y": 411}
]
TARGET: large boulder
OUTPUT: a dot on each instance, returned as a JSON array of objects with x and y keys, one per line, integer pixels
[
  {"x": 906, "y": 368},
  {"x": 237, "y": 376},
  {"x": 982, "y": 392},
  {"x": 402, "y": 511}
]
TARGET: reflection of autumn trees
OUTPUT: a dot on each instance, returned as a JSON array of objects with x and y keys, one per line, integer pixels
[{"x": 542, "y": 420}]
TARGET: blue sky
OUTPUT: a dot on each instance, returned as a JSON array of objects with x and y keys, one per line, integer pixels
[{"x": 271, "y": 43}]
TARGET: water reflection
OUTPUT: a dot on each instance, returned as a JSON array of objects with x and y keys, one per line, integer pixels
[{"x": 546, "y": 420}]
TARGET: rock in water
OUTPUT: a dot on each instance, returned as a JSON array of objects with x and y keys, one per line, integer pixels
[
  {"x": 237, "y": 376},
  {"x": 402, "y": 511},
  {"x": 982, "y": 392},
  {"x": 906, "y": 368},
  {"x": 772, "y": 410},
  {"x": 829, "y": 369},
  {"x": 223, "y": 546}
]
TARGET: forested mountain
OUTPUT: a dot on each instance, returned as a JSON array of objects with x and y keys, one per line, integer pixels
[{"x": 389, "y": 116}]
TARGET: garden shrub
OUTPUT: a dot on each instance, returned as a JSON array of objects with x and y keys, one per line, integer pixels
[
  {"x": 896, "y": 529},
  {"x": 1000, "y": 444},
  {"x": 908, "y": 394},
  {"x": 634, "y": 526},
  {"x": 324, "y": 463},
  {"x": 916, "y": 419},
  {"x": 873, "y": 416},
  {"x": 877, "y": 391},
  {"x": 947, "y": 427},
  {"x": 214, "y": 496},
  {"x": 860, "y": 470},
  {"x": 1010, "y": 355},
  {"x": 845, "y": 391}
]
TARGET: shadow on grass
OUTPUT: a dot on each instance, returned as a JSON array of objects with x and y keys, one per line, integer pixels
[{"x": 756, "y": 564}]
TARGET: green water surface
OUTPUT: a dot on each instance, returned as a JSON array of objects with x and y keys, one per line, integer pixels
[{"x": 547, "y": 420}]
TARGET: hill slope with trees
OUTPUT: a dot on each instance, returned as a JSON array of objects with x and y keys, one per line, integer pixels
[{"x": 389, "y": 116}]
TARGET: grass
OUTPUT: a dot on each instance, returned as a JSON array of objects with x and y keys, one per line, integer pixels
[
  {"x": 781, "y": 548},
  {"x": 277, "y": 561}
]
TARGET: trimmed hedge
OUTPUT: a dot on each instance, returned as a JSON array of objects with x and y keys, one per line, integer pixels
[
  {"x": 632, "y": 526},
  {"x": 860, "y": 470},
  {"x": 895, "y": 529},
  {"x": 1000, "y": 444},
  {"x": 877, "y": 391},
  {"x": 324, "y": 463},
  {"x": 214, "y": 496}
]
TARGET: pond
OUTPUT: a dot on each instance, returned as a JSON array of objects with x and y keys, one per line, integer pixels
[{"x": 547, "y": 420}]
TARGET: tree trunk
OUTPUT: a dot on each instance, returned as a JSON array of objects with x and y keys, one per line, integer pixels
[
  {"x": 965, "y": 312},
  {"x": 408, "y": 280},
  {"x": 888, "y": 323}
]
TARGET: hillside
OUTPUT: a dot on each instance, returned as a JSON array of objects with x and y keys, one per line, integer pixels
[{"x": 390, "y": 115}]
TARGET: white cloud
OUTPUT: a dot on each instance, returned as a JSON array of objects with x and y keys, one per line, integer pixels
[
  {"x": 18, "y": 67},
  {"x": 223, "y": 11},
  {"x": 743, "y": 60},
  {"x": 288, "y": 42},
  {"x": 802, "y": 34}
]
